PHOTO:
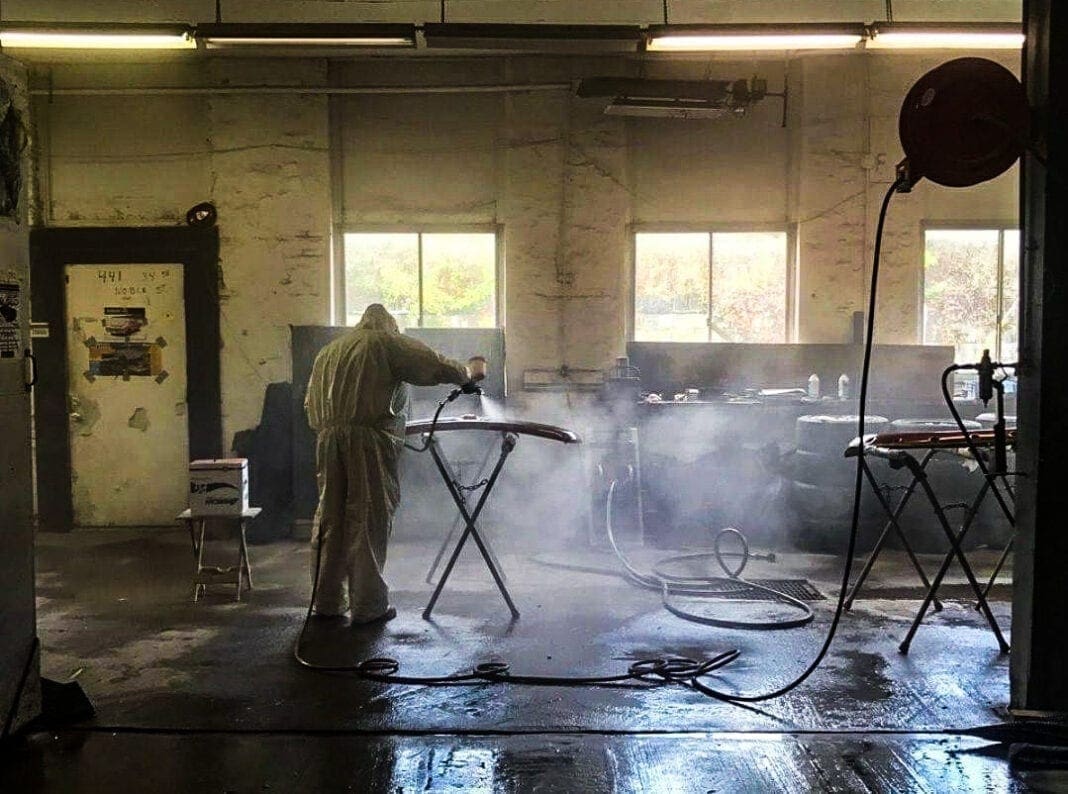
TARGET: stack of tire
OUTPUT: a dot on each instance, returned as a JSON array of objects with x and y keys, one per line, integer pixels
[
  {"x": 823, "y": 482},
  {"x": 954, "y": 479}
]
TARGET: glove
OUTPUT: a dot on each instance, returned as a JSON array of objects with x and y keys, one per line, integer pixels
[{"x": 468, "y": 388}]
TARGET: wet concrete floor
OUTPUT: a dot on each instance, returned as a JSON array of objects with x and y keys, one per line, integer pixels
[
  {"x": 545, "y": 762},
  {"x": 213, "y": 688}
]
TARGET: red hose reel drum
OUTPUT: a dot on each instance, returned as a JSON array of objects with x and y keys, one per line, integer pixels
[{"x": 964, "y": 122}]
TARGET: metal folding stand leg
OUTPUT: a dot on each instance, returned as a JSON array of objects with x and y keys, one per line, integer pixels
[
  {"x": 203, "y": 575},
  {"x": 444, "y": 547},
  {"x": 893, "y": 524},
  {"x": 244, "y": 568},
  {"x": 1012, "y": 540},
  {"x": 459, "y": 521},
  {"x": 198, "y": 546},
  {"x": 955, "y": 540},
  {"x": 997, "y": 569},
  {"x": 508, "y": 442}
]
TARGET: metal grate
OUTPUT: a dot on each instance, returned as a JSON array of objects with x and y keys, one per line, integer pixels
[{"x": 801, "y": 589}]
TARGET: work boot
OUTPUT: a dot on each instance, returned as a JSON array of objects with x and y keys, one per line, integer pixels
[
  {"x": 389, "y": 614},
  {"x": 326, "y": 618}
]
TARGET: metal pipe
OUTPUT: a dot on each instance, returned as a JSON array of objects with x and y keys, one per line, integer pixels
[{"x": 504, "y": 88}]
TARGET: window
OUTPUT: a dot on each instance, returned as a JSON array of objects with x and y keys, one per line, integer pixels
[
  {"x": 426, "y": 280},
  {"x": 971, "y": 291},
  {"x": 710, "y": 287}
]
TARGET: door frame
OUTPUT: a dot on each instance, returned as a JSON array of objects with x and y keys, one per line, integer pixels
[{"x": 51, "y": 250}]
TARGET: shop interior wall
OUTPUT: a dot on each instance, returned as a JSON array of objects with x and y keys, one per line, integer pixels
[{"x": 567, "y": 185}]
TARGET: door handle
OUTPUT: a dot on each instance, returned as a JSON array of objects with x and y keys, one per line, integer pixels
[{"x": 32, "y": 359}]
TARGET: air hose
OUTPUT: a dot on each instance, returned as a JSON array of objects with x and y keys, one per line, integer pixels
[
  {"x": 660, "y": 670},
  {"x": 433, "y": 427},
  {"x": 654, "y": 671},
  {"x": 970, "y": 442},
  {"x": 705, "y": 586}
]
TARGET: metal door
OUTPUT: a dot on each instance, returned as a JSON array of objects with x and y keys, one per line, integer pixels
[
  {"x": 126, "y": 366},
  {"x": 19, "y": 681},
  {"x": 18, "y": 659}
]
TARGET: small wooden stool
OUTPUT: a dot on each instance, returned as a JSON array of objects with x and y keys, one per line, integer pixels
[{"x": 203, "y": 575}]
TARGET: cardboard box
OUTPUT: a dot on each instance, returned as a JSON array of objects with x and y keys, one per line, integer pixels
[{"x": 218, "y": 487}]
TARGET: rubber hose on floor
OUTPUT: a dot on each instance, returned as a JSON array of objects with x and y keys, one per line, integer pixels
[
  {"x": 706, "y": 586},
  {"x": 653, "y": 671}
]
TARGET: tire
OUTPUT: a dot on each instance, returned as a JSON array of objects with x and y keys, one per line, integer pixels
[
  {"x": 830, "y": 435},
  {"x": 932, "y": 425},
  {"x": 951, "y": 482},
  {"x": 818, "y": 537},
  {"x": 818, "y": 469},
  {"x": 816, "y": 502}
]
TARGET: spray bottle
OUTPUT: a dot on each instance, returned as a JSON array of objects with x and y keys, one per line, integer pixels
[
  {"x": 843, "y": 387},
  {"x": 814, "y": 386}
]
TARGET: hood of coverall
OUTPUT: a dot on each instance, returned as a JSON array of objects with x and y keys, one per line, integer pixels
[{"x": 377, "y": 318}]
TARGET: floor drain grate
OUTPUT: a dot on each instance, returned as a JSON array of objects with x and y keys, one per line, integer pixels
[{"x": 801, "y": 589}]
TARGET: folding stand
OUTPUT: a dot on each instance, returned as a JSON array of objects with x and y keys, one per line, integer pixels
[
  {"x": 203, "y": 575},
  {"x": 955, "y": 551},
  {"x": 509, "y": 438},
  {"x": 894, "y": 448},
  {"x": 476, "y": 483},
  {"x": 892, "y": 524},
  {"x": 508, "y": 442}
]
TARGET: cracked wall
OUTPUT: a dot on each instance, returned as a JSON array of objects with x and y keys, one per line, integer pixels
[
  {"x": 263, "y": 160},
  {"x": 565, "y": 184},
  {"x": 270, "y": 180},
  {"x": 846, "y": 146}
]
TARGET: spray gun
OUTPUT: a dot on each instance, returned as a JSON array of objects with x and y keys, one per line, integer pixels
[
  {"x": 476, "y": 371},
  {"x": 988, "y": 386},
  {"x": 985, "y": 368},
  {"x": 476, "y": 368}
]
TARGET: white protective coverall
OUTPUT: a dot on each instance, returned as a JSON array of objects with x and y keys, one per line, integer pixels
[{"x": 357, "y": 401}]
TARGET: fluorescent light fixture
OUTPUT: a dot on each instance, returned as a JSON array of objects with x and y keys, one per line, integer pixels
[
  {"x": 944, "y": 36},
  {"x": 224, "y": 35},
  {"x": 716, "y": 38},
  {"x": 534, "y": 37},
  {"x": 669, "y": 109},
  {"x": 85, "y": 37}
]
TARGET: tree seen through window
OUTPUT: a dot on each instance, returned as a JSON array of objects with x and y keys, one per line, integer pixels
[
  {"x": 710, "y": 287},
  {"x": 430, "y": 280},
  {"x": 970, "y": 291}
]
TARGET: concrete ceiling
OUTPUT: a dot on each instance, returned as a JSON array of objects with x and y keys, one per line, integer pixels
[{"x": 522, "y": 11}]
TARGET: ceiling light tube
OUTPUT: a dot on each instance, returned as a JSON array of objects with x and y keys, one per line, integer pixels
[
  {"x": 718, "y": 38},
  {"x": 95, "y": 37},
  {"x": 224, "y": 35},
  {"x": 944, "y": 36}
]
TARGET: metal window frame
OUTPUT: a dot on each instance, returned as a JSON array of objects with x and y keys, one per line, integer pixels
[
  {"x": 1001, "y": 288},
  {"x": 999, "y": 226},
  {"x": 789, "y": 231},
  {"x": 338, "y": 281}
]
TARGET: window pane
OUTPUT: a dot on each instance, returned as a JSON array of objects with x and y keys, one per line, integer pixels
[
  {"x": 960, "y": 290},
  {"x": 382, "y": 268},
  {"x": 749, "y": 287},
  {"x": 460, "y": 280},
  {"x": 671, "y": 287},
  {"x": 1010, "y": 297}
]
